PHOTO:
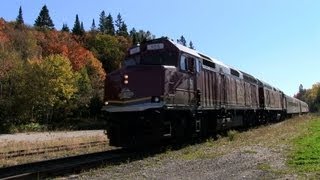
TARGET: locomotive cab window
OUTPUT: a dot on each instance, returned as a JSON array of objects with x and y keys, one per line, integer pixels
[
  {"x": 183, "y": 63},
  {"x": 158, "y": 57},
  {"x": 189, "y": 64}
]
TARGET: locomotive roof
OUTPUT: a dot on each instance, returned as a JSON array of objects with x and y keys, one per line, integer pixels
[{"x": 197, "y": 54}]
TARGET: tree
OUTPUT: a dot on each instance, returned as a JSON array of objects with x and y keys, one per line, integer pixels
[
  {"x": 77, "y": 27},
  {"x": 140, "y": 36},
  {"x": 44, "y": 22},
  {"x": 19, "y": 19},
  {"x": 123, "y": 30},
  {"x": 109, "y": 25},
  {"x": 93, "y": 26},
  {"x": 50, "y": 85},
  {"x": 300, "y": 88},
  {"x": 118, "y": 22},
  {"x": 182, "y": 41},
  {"x": 110, "y": 50},
  {"x": 82, "y": 28},
  {"x": 133, "y": 35},
  {"x": 121, "y": 26},
  {"x": 65, "y": 28},
  {"x": 102, "y": 22},
  {"x": 191, "y": 45}
]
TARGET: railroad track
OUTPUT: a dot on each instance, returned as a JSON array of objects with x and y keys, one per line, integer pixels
[
  {"x": 63, "y": 166},
  {"x": 37, "y": 151}
]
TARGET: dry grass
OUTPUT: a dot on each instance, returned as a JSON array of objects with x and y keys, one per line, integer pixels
[
  {"x": 275, "y": 136},
  {"x": 29, "y": 146}
]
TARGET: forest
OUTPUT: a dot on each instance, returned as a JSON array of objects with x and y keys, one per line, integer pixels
[{"x": 52, "y": 79}]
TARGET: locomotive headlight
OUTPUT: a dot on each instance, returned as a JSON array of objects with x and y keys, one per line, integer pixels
[
  {"x": 125, "y": 77},
  {"x": 106, "y": 103},
  {"x": 155, "y": 99}
]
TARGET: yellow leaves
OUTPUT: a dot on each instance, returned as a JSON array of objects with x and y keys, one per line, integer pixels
[
  {"x": 53, "y": 80},
  {"x": 315, "y": 90}
]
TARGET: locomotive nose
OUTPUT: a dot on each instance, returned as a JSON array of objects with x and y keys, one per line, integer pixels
[{"x": 135, "y": 84}]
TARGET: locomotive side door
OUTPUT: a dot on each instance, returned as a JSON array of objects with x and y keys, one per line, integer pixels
[{"x": 194, "y": 68}]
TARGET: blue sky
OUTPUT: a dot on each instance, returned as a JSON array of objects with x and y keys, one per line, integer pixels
[{"x": 277, "y": 41}]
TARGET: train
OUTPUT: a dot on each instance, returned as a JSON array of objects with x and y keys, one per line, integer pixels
[{"x": 166, "y": 91}]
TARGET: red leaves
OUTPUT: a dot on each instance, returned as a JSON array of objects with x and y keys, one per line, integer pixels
[
  {"x": 3, "y": 36},
  {"x": 54, "y": 42}
]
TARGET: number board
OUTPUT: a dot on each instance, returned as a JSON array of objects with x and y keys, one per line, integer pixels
[{"x": 155, "y": 46}]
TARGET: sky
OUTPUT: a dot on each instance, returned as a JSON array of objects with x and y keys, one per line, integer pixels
[{"x": 277, "y": 41}]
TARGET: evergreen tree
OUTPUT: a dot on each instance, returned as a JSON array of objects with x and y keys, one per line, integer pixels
[
  {"x": 182, "y": 41},
  {"x": 44, "y": 21},
  {"x": 141, "y": 36},
  {"x": 300, "y": 88},
  {"x": 133, "y": 35},
  {"x": 109, "y": 25},
  {"x": 123, "y": 30},
  {"x": 102, "y": 22},
  {"x": 65, "y": 28},
  {"x": 19, "y": 17},
  {"x": 77, "y": 27},
  {"x": 82, "y": 28},
  {"x": 118, "y": 22},
  {"x": 93, "y": 25},
  {"x": 121, "y": 26},
  {"x": 191, "y": 46}
]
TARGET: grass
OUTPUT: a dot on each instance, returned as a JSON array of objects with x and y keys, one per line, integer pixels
[
  {"x": 26, "y": 145},
  {"x": 305, "y": 156}
]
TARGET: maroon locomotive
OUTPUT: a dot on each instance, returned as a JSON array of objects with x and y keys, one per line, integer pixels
[{"x": 165, "y": 90}]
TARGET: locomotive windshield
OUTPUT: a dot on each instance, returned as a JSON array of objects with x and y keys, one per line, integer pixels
[
  {"x": 152, "y": 58},
  {"x": 159, "y": 58}
]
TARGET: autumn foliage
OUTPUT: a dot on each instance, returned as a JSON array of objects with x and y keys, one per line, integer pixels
[{"x": 49, "y": 76}]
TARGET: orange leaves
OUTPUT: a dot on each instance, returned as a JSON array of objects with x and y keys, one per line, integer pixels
[
  {"x": 3, "y": 36},
  {"x": 64, "y": 44}
]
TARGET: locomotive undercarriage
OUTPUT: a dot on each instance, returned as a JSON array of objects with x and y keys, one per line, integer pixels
[{"x": 128, "y": 129}]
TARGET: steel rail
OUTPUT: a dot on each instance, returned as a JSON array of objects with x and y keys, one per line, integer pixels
[{"x": 63, "y": 166}]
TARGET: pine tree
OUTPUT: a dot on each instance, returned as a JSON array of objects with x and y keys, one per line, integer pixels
[
  {"x": 93, "y": 25},
  {"x": 20, "y": 17},
  {"x": 182, "y": 41},
  {"x": 65, "y": 28},
  {"x": 109, "y": 25},
  {"x": 82, "y": 28},
  {"x": 123, "y": 30},
  {"x": 121, "y": 26},
  {"x": 102, "y": 22},
  {"x": 133, "y": 35},
  {"x": 191, "y": 46},
  {"x": 77, "y": 27},
  {"x": 44, "y": 21},
  {"x": 118, "y": 22}
]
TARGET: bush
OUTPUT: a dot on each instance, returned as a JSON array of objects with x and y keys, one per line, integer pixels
[{"x": 232, "y": 135}]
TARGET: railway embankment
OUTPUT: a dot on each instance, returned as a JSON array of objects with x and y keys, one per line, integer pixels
[{"x": 285, "y": 150}]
